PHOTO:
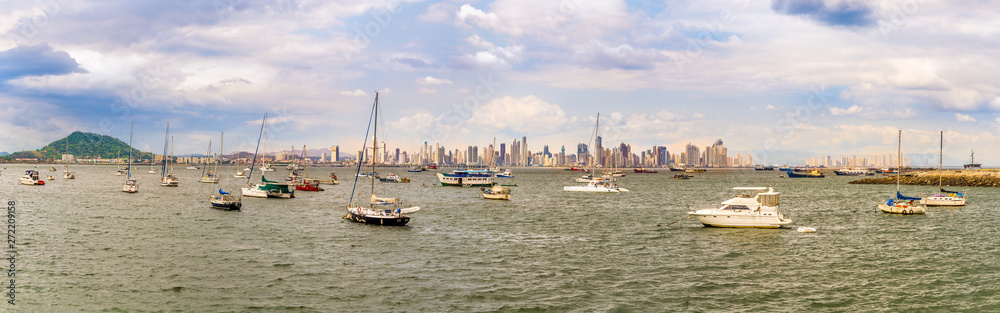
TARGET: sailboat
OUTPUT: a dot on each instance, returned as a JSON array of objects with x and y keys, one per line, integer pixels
[
  {"x": 901, "y": 204},
  {"x": 267, "y": 188},
  {"x": 223, "y": 200},
  {"x": 67, "y": 174},
  {"x": 948, "y": 198},
  {"x": 239, "y": 173},
  {"x": 167, "y": 178},
  {"x": 130, "y": 185},
  {"x": 379, "y": 211},
  {"x": 303, "y": 183},
  {"x": 265, "y": 167},
  {"x": 595, "y": 184},
  {"x": 118, "y": 160},
  {"x": 208, "y": 176}
]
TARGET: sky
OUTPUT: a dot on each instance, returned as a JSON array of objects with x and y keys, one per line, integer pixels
[{"x": 783, "y": 80}]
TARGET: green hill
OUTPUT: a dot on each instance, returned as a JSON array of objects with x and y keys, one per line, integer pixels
[{"x": 86, "y": 146}]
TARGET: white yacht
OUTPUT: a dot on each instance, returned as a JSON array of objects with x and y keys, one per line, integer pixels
[
  {"x": 597, "y": 186},
  {"x": 31, "y": 178},
  {"x": 756, "y": 207}
]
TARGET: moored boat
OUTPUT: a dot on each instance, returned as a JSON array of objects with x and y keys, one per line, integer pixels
[
  {"x": 809, "y": 174},
  {"x": 467, "y": 178},
  {"x": 31, "y": 177},
  {"x": 496, "y": 193},
  {"x": 644, "y": 170},
  {"x": 901, "y": 204},
  {"x": 754, "y": 207}
]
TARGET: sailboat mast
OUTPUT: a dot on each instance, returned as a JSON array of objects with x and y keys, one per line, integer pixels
[
  {"x": 597, "y": 132},
  {"x": 940, "y": 159},
  {"x": 899, "y": 151},
  {"x": 209, "y": 153},
  {"x": 163, "y": 168},
  {"x": 374, "y": 145},
  {"x": 130, "y": 150},
  {"x": 218, "y": 159}
]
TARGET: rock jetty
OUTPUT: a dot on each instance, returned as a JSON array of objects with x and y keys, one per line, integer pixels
[{"x": 955, "y": 178}]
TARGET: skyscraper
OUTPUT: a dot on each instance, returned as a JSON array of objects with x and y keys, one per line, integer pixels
[
  {"x": 692, "y": 153},
  {"x": 715, "y": 155},
  {"x": 598, "y": 152},
  {"x": 503, "y": 158},
  {"x": 524, "y": 151},
  {"x": 334, "y": 153}
]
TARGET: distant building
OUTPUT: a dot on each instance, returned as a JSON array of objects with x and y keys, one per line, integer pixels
[
  {"x": 334, "y": 153},
  {"x": 68, "y": 158},
  {"x": 692, "y": 152}
]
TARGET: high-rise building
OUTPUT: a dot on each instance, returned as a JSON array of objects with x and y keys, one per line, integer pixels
[
  {"x": 503, "y": 155},
  {"x": 524, "y": 151},
  {"x": 715, "y": 155},
  {"x": 581, "y": 153},
  {"x": 692, "y": 153},
  {"x": 334, "y": 153}
]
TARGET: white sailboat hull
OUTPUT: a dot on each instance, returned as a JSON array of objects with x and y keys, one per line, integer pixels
[
  {"x": 902, "y": 208},
  {"x": 254, "y": 192},
  {"x": 942, "y": 201}
]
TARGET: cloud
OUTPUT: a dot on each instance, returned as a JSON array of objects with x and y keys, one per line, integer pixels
[
  {"x": 36, "y": 60},
  {"x": 427, "y": 91},
  {"x": 481, "y": 18},
  {"x": 433, "y": 81},
  {"x": 438, "y": 12},
  {"x": 770, "y": 107},
  {"x": 835, "y": 13},
  {"x": 623, "y": 56},
  {"x": 529, "y": 114},
  {"x": 964, "y": 118},
  {"x": 854, "y": 109},
  {"x": 355, "y": 93}
]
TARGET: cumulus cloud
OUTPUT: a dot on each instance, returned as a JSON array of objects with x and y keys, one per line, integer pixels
[
  {"x": 481, "y": 18},
  {"x": 854, "y": 109},
  {"x": 770, "y": 107},
  {"x": 834, "y": 13},
  {"x": 36, "y": 60},
  {"x": 428, "y": 80},
  {"x": 964, "y": 118},
  {"x": 529, "y": 114},
  {"x": 354, "y": 93},
  {"x": 493, "y": 57},
  {"x": 623, "y": 56}
]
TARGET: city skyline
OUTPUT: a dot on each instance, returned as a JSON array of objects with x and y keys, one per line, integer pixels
[{"x": 779, "y": 80}]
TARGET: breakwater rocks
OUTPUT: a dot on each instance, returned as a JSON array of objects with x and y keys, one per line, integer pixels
[{"x": 973, "y": 178}]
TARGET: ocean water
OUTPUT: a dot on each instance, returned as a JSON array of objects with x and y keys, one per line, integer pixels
[{"x": 86, "y": 246}]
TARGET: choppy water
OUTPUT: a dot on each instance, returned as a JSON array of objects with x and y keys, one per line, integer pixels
[{"x": 86, "y": 246}]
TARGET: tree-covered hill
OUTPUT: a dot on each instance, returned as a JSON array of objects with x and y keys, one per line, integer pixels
[{"x": 86, "y": 146}]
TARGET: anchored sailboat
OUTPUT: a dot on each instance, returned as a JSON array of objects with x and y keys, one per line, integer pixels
[
  {"x": 901, "y": 204},
  {"x": 597, "y": 184},
  {"x": 223, "y": 200},
  {"x": 131, "y": 185},
  {"x": 267, "y": 188},
  {"x": 167, "y": 178},
  {"x": 947, "y": 198},
  {"x": 379, "y": 210}
]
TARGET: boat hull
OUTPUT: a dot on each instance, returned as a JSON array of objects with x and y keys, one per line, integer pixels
[
  {"x": 377, "y": 220},
  {"x": 227, "y": 205},
  {"x": 792, "y": 174},
  {"x": 902, "y": 208},
  {"x": 741, "y": 220},
  {"x": 942, "y": 201}
]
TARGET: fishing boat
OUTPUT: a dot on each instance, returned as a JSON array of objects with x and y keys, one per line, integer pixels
[
  {"x": 754, "y": 207},
  {"x": 682, "y": 176},
  {"x": 613, "y": 174},
  {"x": 266, "y": 188},
  {"x": 694, "y": 170},
  {"x": 393, "y": 178},
  {"x": 193, "y": 167},
  {"x": 606, "y": 184},
  {"x": 945, "y": 198},
  {"x": 416, "y": 169},
  {"x": 223, "y": 200},
  {"x": 505, "y": 174},
  {"x": 52, "y": 168},
  {"x": 332, "y": 181},
  {"x": 131, "y": 185},
  {"x": 901, "y": 204},
  {"x": 167, "y": 178},
  {"x": 496, "y": 193},
  {"x": 378, "y": 210},
  {"x": 675, "y": 169},
  {"x": 31, "y": 177},
  {"x": 467, "y": 178},
  {"x": 51, "y": 178},
  {"x": 643, "y": 170},
  {"x": 802, "y": 174}
]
